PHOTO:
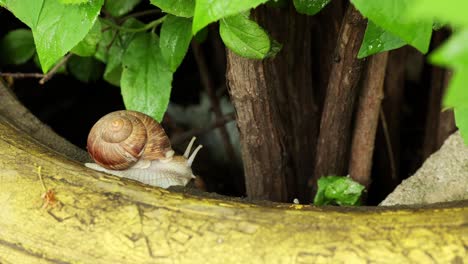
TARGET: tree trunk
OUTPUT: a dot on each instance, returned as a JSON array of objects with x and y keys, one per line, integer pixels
[
  {"x": 276, "y": 109},
  {"x": 98, "y": 218},
  {"x": 335, "y": 127}
]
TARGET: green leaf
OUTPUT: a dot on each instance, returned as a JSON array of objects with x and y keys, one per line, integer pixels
[
  {"x": 245, "y": 37},
  {"x": 111, "y": 48},
  {"x": 56, "y": 27},
  {"x": 85, "y": 69},
  {"x": 73, "y": 1},
  {"x": 310, "y": 7},
  {"x": 120, "y": 7},
  {"x": 391, "y": 16},
  {"x": 146, "y": 78},
  {"x": 338, "y": 190},
  {"x": 461, "y": 118},
  {"x": 275, "y": 48},
  {"x": 181, "y": 8},
  {"x": 451, "y": 11},
  {"x": 457, "y": 92},
  {"x": 88, "y": 46},
  {"x": 208, "y": 11},
  {"x": 378, "y": 40},
  {"x": 176, "y": 33},
  {"x": 453, "y": 52},
  {"x": 17, "y": 47},
  {"x": 61, "y": 69}
]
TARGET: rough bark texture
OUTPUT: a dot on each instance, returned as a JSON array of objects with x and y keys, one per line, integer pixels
[
  {"x": 335, "y": 127},
  {"x": 276, "y": 109},
  {"x": 104, "y": 219},
  {"x": 367, "y": 119},
  {"x": 325, "y": 31}
]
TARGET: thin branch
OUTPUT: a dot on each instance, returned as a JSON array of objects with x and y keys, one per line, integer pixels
[
  {"x": 177, "y": 139},
  {"x": 150, "y": 25},
  {"x": 54, "y": 70},
  {"x": 21, "y": 75},
  {"x": 207, "y": 82},
  {"x": 388, "y": 142}
]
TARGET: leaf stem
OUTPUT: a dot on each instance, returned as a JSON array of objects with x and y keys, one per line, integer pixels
[
  {"x": 150, "y": 25},
  {"x": 54, "y": 70}
]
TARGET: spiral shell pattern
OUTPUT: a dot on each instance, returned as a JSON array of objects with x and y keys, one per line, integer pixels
[{"x": 121, "y": 138}]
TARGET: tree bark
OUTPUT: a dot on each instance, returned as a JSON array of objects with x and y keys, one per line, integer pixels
[
  {"x": 100, "y": 218},
  {"x": 335, "y": 127},
  {"x": 276, "y": 109},
  {"x": 367, "y": 120}
]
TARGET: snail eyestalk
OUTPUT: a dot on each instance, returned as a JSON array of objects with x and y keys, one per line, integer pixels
[
  {"x": 189, "y": 148},
  {"x": 194, "y": 154}
]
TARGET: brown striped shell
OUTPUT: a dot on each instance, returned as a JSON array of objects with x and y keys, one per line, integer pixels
[{"x": 119, "y": 139}]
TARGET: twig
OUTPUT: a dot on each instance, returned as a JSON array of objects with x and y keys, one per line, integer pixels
[
  {"x": 209, "y": 87},
  {"x": 150, "y": 25},
  {"x": 177, "y": 139},
  {"x": 389, "y": 144},
  {"x": 21, "y": 75},
  {"x": 39, "y": 173},
  {"x": 57, "y": 66},
  {"x": 48, "y": 195}
]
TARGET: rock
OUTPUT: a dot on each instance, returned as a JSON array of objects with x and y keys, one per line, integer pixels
[{"x": 442, "y": 178}]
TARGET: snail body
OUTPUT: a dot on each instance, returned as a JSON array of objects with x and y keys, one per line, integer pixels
[{"x": 133, "y": 145}]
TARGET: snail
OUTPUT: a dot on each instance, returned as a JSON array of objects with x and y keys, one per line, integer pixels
[{"x": 133, "y": 145}]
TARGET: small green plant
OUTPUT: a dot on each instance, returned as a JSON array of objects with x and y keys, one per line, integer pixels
[{"x": 338, "y": 190}]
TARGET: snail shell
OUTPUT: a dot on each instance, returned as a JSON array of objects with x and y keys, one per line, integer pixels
[
  {"x": 120, "y": 139},
  {"x": 132, "y": 145}
]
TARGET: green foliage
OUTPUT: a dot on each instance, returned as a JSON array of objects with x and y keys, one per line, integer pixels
[
  {"x": 120, "y": 7},
  {"x": 146, "y": 78},
  {"x": 54, "y": 25},
  {"x": 208, "y": 11},
  {"x": 73, "y": 1},
  {"x": 124, "y": 44},
  {"x": 181, "y": 8},
  {"x": 391, "y": 16},
  {"x": 244, "y": 36},
  {"x": 449, "y": 11},
  {"x": 87, "y": 46},
  {"x": 310, "y": 7},
  {"x": 376, "y": 40},
  {"x": 111, "y": 49},
  {"x": 452, "y": 54},
  {"x": 85, "y": 69},
  {"x": 145, "y": 75},
  {"x": 338, "y": 190},
  {"x": 176, "y": 33},
  {"x": 393, "y": 23},
  {"x": 17, "y": 47}
]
